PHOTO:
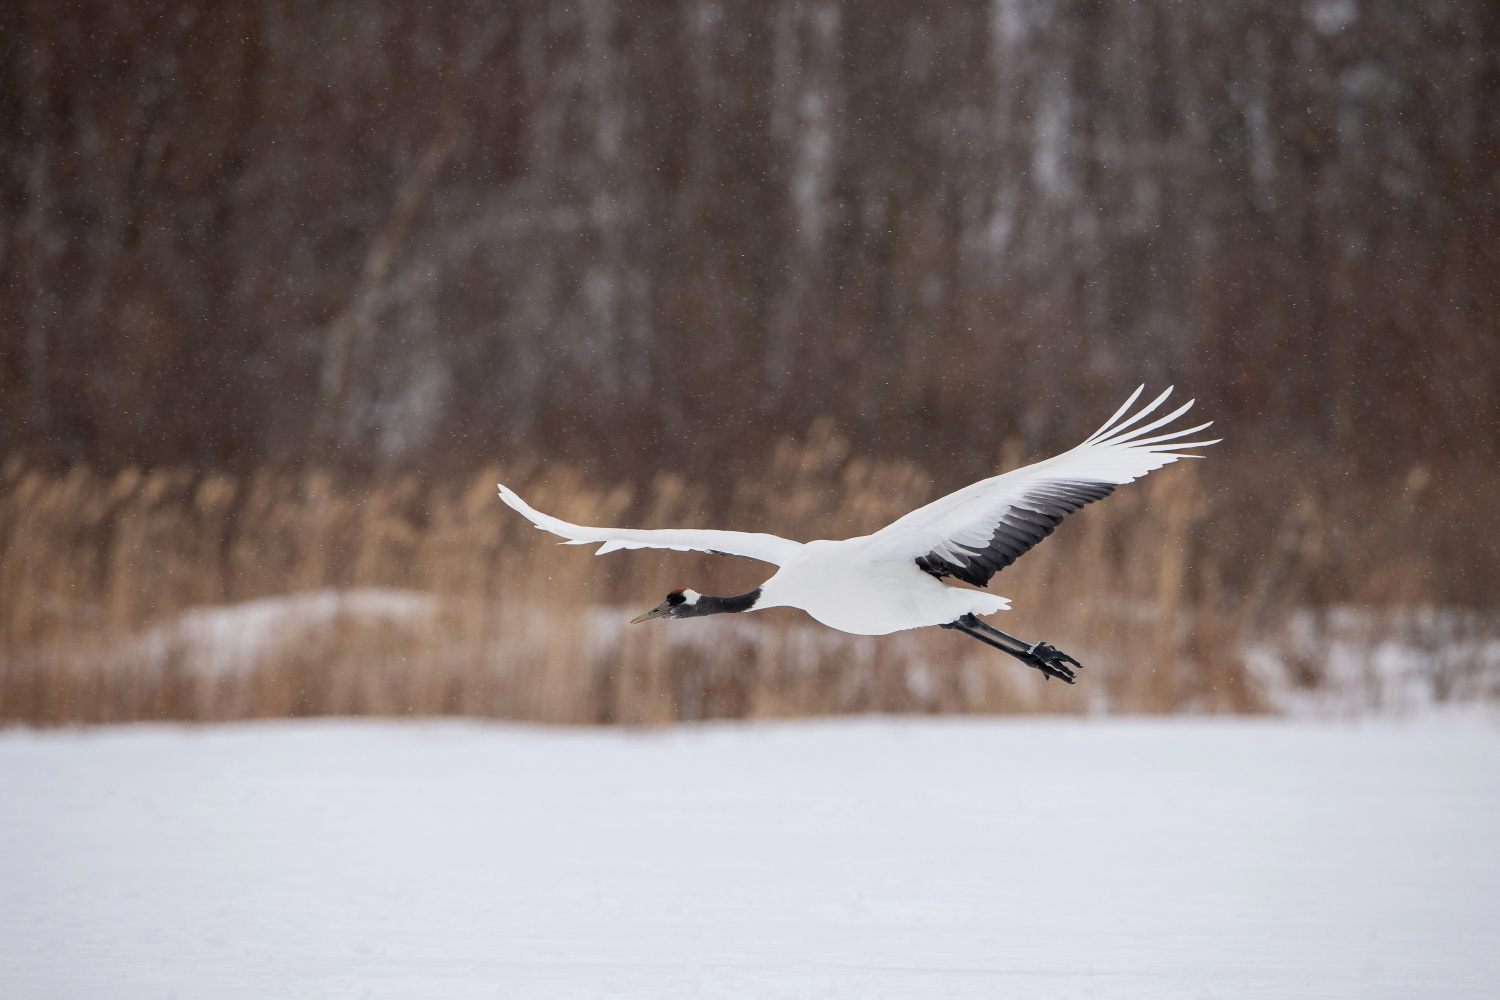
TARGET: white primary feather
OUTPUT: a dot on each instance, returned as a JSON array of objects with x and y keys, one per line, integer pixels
[{"x": 752, "y": 545}]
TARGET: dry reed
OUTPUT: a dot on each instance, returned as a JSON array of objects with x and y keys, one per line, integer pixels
[{"x": 170, "y": 595}]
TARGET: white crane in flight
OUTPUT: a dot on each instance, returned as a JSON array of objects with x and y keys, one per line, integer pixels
[{"x": 892, "y": 580}]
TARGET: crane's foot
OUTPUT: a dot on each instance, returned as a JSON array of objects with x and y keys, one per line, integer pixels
[{"x": 1050, "y": 660}]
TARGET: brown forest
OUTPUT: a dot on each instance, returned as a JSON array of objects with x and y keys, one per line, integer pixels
[{"x": 260, "y": 260}]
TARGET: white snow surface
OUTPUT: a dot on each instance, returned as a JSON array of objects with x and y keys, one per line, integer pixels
[
  {"x": 230, "y": 639},
  {"x": 858, "y": 858}
]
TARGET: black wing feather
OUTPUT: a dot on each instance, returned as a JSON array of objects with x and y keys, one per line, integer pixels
[{"x": 1035, "y": 517}]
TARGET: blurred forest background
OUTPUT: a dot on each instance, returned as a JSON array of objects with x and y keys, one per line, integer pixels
[{"x": 286, "y": 288}]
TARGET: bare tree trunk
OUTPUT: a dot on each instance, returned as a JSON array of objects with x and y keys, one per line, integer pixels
[{"x": 352, "y": 327}]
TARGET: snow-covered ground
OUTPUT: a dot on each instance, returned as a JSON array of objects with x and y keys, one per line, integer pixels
[
  {"x": 857, "y": 858},
  {"x": 1352, "y": 662}
]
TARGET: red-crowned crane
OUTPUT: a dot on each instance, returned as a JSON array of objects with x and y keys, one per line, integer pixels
[{"x": 892, "y": 580}]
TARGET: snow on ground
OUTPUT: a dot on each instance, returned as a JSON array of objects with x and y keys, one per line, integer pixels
[
  {"x": 231, "y": 639},
  {"x": 857, "y": 858},
  {"x": 1350, "y": 662}
]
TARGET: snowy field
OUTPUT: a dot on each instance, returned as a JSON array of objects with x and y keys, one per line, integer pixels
[{"x": 859, "y": 859}]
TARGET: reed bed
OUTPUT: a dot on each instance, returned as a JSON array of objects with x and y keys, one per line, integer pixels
[{"x": 168, "y": 594}]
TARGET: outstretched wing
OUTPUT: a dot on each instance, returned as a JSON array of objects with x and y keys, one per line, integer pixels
[
  {"x": 766, "y": 548},
  {"x": 983, "y": 528}
]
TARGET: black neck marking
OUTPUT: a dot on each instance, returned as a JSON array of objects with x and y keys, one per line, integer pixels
[{"x": 709, "y": 605}]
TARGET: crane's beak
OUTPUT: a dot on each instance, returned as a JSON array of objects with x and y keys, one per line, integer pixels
[{"x": 660, "y": 611}]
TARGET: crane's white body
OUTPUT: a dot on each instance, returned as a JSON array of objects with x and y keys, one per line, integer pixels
[
  {"x": 847, "y": 586},
  {"x": 876, "y": 584}
]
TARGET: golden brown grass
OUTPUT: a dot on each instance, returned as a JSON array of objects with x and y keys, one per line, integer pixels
[{"x": 402, "y": 597}]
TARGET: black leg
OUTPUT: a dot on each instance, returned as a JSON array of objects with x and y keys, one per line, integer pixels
[{"x": 1051, "y": 661}]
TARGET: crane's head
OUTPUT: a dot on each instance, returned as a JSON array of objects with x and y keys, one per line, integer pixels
[{"x": 680, "y": 603}]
